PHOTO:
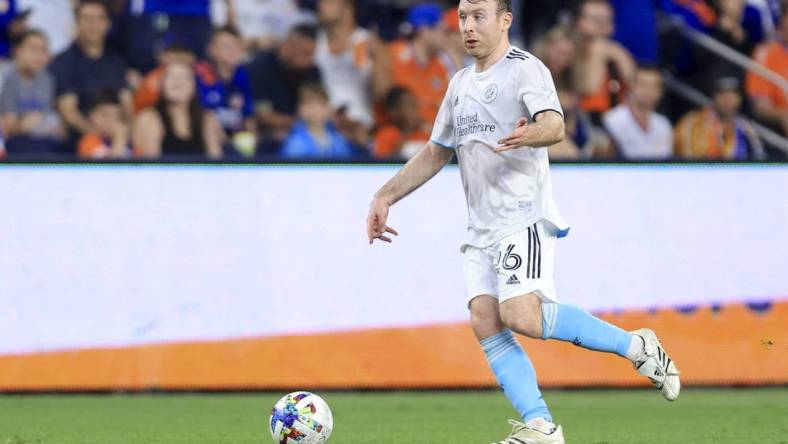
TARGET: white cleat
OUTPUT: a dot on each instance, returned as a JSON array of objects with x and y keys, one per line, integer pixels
[
  {"x": 522, "y": 434},
  {"x": 655, "y": 364}
]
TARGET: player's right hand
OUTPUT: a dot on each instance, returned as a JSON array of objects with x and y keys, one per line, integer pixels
[{"x": 376, "y": 222}]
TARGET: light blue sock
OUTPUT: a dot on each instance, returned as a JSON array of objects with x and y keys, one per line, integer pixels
[
  {"x": 571, "y": 324},
  {"x": 516, "y": 375}
]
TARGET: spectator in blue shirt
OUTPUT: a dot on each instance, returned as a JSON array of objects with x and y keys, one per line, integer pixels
[
  {"x": 314, "y": 136},
  {"x": 224, "y": 83},
  {"x": 11, "y": 24},
  {"x": 636, "y": 28}
]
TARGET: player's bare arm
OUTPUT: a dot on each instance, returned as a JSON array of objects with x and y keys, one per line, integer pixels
[
  {"x": 547, "y": 130},
  {"x": 421, "y": 168}
]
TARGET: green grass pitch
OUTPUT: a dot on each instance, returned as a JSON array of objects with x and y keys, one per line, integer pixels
[{"x": 746, "y": 416}]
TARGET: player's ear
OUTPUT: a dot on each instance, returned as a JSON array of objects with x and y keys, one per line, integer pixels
[{"x": 507, "y": 21}]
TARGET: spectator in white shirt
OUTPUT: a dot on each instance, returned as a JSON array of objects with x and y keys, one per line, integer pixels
[
  {"x": 638, "y": 132},
  {"x": 344, "y": 56},
  {"x": 263, "y": 24}
]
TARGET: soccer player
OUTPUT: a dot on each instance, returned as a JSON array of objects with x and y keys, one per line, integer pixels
[{"x": 499, "y": 116}]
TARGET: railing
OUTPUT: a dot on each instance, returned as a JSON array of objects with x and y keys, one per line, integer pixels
[
  {"x": 726, "y": 52},
  {"x": 691, "y": 94},
  {"x": 713, "y": 45}
]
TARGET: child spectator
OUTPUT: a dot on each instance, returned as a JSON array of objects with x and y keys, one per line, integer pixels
[
  {"x": 178, "y": 125},
  {"x": 224, "y": 85},
  {"x": 27, "y": 98},
  {"x": 406, "y": 133},
  {"x": 314, "y": 135},
  {"x": 109, "y": 137}
]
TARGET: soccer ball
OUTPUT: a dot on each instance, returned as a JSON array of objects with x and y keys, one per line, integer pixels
[{"x": 301, "y": 418}]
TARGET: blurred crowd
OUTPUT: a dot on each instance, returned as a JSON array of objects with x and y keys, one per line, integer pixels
[{"x": 345, "y": 79}]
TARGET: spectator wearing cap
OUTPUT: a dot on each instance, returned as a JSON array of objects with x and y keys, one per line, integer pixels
[
  {"x": 344, "y": 56},
  {"x": 716, "y": 132},
  {"x": 455, "y": 57},
  {"x": 27, "y": 98},
  {"x": 277, "y": 76},
  {"x": 637, "y": 130},
  {"x": 88, "y": 67},
  {"x": 415, "y": 63},
  {"x": 224, "y": 84},
  {"x": 769, "y": 101}
]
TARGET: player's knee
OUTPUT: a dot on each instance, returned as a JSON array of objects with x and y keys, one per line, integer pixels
[
  {"x": 485, "y": 317},
  {"x": 523, "y": 319}
]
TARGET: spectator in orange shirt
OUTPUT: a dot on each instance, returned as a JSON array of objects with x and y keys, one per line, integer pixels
[
  {"x": 148, "y": 93},
  {"x": 454, "y": 57},
  {"x": 717, "y": 132},
  {"x": 406, "y": 132},
  {"x": 416, "y": 63},
  {"x": 109, "y": 136},
  {"x": 603, "y": 68},
  {"x": 769, "y": 101}
]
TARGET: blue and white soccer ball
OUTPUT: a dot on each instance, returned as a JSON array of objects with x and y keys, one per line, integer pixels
[{"x": 301, "y": 418}]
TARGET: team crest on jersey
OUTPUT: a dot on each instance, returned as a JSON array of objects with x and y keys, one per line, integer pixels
[{"x": 490, "y": 93}]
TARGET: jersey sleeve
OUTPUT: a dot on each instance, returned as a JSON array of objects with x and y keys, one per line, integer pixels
[
  {"x": 536, "y": 88},
  {"x": 443, "y": 128}
]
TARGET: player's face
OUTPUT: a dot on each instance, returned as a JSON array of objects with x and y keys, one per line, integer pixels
[
  {"x": 482, "y": 27},
  {"x": 647, "y": 89}
]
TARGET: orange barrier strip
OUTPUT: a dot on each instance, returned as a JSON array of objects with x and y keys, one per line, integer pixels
[{"x": 734, "y": 346}]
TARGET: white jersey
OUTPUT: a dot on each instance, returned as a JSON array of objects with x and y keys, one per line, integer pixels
[
  {"x": 635, "y": 142},
  {"x": 508, "y": 192}
]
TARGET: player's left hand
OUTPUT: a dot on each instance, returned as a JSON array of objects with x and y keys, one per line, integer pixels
[
  {"x": 517, "y": 139},
  {"x": 376, "y": 222}
]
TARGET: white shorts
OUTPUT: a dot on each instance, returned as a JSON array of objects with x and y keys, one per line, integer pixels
[{"x": 518, "y": 264}]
